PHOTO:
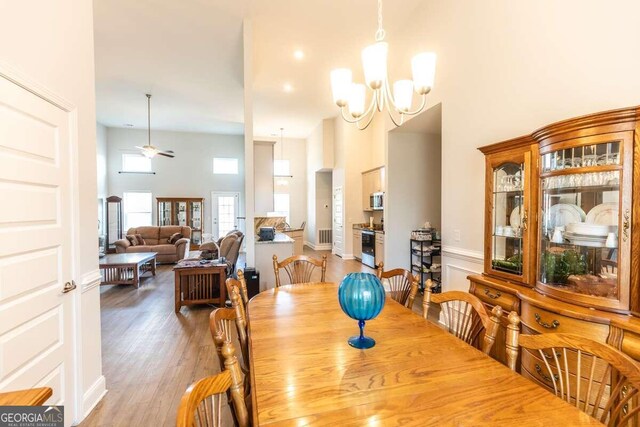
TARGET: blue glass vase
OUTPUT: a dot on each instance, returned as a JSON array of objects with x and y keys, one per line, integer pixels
[{"x": 361, "y": 297}]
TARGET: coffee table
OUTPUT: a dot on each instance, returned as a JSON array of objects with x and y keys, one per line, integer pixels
[
  {"x": 197, "y": 283},
  {"x": 126, "y": 269}
]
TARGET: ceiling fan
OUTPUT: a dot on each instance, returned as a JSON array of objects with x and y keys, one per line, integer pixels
[{"x": 149, "y": 150}]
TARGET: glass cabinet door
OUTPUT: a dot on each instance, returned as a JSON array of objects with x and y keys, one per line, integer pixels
[
  {"x": 508, "y": 252},
  {"x": 507, "y": 218},
  {"x": 582, "y": 229},
  {"x": 195, "y": 220},
  {"x": 164, "y": 213},
  {"x": 181, "y": 213}
]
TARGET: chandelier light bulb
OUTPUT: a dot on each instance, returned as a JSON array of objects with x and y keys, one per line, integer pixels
[
  {"x": 423, "y": 67},
  {"x": 341, "y": 86},
  {"x": 403, "y": 95},
  {"x": 356, "y": 99},
  {"x": 374, "y": 62}
]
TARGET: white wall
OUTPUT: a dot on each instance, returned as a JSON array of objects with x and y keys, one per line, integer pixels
[
  {"x": 505, "y": 69},
  {"x": 413, "y": 192},
  {"x": 189, "y": 174},
  {"x": 323, "y": 199},
  {"x": 320, "y": 157},
  {"x": 101, "y": 164},
  {"x": 295, "y": 150},
  {"x": 51, "y": 43},
  {"x": 263, "y": 175}
]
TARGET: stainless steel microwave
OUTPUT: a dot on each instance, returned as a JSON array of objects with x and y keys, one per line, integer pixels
[{"x": 376, "y": 201}]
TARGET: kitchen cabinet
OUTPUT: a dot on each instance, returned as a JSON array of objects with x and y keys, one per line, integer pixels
[
  {"x": 297, "y": 234},
  {"x": 357, "y": 244},
  {"x": 372, "y": 182},
  {"x": 379, "y": 248}
]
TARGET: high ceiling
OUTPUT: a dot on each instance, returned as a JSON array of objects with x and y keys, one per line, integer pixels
[{"x": 188, "y": 54}]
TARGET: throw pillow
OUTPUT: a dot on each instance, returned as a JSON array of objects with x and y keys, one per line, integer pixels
[
  {"x": 132, "y": 239},
  {"x": 140, "y": 240},
  {"x": 174, "y": 238}
]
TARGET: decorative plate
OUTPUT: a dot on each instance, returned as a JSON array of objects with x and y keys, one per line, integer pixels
[
  {"x": 515, "y": 219},
  {"x": 604, "y": 214},
  {"x": 563, "y": 214}
]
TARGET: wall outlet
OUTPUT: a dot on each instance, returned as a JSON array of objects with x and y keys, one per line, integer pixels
[{"x": 456, "y": 235}]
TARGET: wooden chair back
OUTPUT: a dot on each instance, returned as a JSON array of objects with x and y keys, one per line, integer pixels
[
  {"x": 599, "y": 380},
  {"x": 465, "y": 316},
  {"x": 403, "y": 286},
  {"x": 201, "y": 405},
  {"x": 243, "y": 287},
  {"x": 221, "y": 322},
  {"x": 299, "y": 268}
]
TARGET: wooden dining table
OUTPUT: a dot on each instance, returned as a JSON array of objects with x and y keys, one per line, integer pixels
[{"x": 303, "y": 372}]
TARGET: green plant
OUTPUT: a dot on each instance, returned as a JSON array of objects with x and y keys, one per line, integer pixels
[{"x": 557, "y": 266}]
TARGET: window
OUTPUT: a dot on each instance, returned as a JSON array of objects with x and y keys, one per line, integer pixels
[
  {"x": 281, "y": 168},
  {"x": 281, "y": 204},
  {"x": 133, "y": 162},
  {"x": 137, "y": 209},
  {"x": 225, "y": 166}
]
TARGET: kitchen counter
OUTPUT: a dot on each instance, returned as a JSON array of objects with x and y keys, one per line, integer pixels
[
  {"x": 278, "y": 238},
  {"x": 366, "y": 227}
]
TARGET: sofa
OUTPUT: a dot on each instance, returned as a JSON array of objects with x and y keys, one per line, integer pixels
[{"x": 156, "y": 239}]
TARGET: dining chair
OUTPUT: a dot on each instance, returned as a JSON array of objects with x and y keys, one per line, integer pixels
[
  {"x": 609, "y": 379},
  {"x": 243, "y": 286},
  {"x": 299, "y": 268},
  {"x": 221, "y": 322},
  {"x": 464, "y": 316},
  {"x": 201, "y": 404},
  {"x": 237, "y": 303},
  {"x": 403, "y": 286}
]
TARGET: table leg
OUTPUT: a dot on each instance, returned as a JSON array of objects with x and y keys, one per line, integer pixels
[
  {"x": 153, "y": 266},
  {"x": 177, "y": 291},
  {"x": 223, "y": 288},
  {"x": 136, "y": 275}
]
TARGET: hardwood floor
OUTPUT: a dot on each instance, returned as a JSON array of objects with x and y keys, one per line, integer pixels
[{"x": 151, "y": 355}]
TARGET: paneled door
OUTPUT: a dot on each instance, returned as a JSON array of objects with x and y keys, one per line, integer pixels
[
  {"x": 36, "y": 298},
  {"x": 224, "y": 212}
]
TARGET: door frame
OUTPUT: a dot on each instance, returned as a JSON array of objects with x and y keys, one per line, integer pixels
[
  {"x": 214, "y": 194},
  {"x": 92, "y": 278}
]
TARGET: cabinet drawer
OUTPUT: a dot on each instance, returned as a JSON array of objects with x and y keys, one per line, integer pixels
[
  {"x": 493, "y": 296},
  {"x": 535, "y": 369},
  {"x": 544, "y": 321}
]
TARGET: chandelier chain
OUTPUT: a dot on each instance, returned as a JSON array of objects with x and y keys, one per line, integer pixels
[{"x": 380, "y": 32}]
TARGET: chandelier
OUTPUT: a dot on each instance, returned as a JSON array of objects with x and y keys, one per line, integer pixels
[{"x": 351, "y": 97}]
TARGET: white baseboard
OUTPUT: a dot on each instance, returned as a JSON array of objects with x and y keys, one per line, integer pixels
[
  {"x": 94, "y": 395},
  {"x": 348, "y": 256},
  {"x": 326, "y": 247}
]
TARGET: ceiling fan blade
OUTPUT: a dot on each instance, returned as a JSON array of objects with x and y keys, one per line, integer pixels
[
  {"x": 139, "y": 147},
  {"x": 161, "y": 153}
]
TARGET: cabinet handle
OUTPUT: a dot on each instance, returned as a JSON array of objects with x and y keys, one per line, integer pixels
[
  {"x": 543, "y": 376},
  {"x": 546, "y": 356},
  {"x": 553, "y": 325},
  {"x": 625, "y": 226},
  {"x": 68, "y": 287},
  {"x": 487, "y": 292},
  {"x": 525, "y": 219}
]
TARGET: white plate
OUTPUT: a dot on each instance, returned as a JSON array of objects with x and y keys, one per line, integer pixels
[
  {"x": 515, "y": 219},
  {"x": 604, "y": 214},
  {"x": 563, "y": 214}
]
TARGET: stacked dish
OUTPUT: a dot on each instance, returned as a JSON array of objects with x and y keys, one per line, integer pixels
[{"x": 584, "y": 234}]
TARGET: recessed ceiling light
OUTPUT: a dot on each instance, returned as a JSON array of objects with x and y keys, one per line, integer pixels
[
  {"x": 287, "y": 87},
  {"x": 128, "y": 125},
  {"x": 298, "y": 54}
]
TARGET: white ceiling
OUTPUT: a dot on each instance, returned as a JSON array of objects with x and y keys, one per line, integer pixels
[{"x": 188, "y": 54}]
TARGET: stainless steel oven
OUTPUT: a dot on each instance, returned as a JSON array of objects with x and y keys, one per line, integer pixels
[{"x": 369, "y": 248}]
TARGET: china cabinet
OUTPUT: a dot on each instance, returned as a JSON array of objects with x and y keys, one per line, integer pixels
[
  {"x": 561, "y": 245},
  {"x": 114, "y": 220},
  {"x": 183, "y": 211}
]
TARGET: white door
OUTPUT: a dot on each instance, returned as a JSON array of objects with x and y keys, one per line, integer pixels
[
  {"x": 225, "y": 208},
  {"x": 36, "y": 314},
  {"x": 338, "y": 238}
]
